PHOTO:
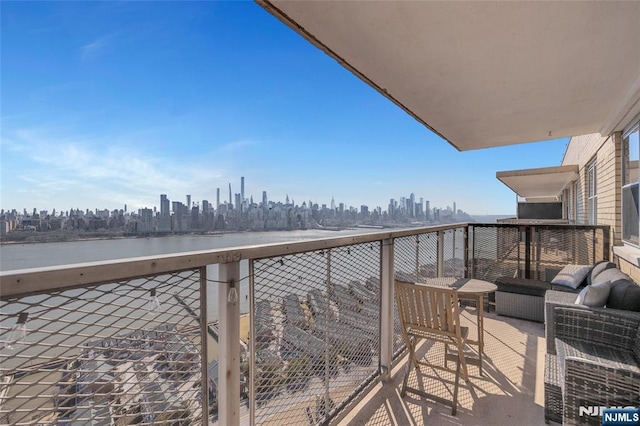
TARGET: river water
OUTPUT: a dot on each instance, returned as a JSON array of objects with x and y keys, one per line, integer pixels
[{"x": 25, "y": 256}]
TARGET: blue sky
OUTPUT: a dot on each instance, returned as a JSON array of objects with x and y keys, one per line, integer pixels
[{"x": 112, "y": 103}]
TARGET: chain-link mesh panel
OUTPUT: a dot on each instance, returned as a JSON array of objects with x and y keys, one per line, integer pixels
[
  {"x": 495, "y": 251},
  {"x": 317, "y": 322},
  {"x": 416, "y": 259},
  {"x": 427, "y": 254},
  {"x": 554, "y": 247},
  {"x": 534, "y": 251},
  {"x": 454, "y": 256},
  {"x": 119, "y": 353}
]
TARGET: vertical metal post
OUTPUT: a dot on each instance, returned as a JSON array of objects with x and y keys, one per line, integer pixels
[
  {"x": 204, "y": 347},
  {"x": 453, "y": 252},
  {"x": 417, "y": 258},
  {"x": 387, "y": 276},
  {"x": 440, "y": 253},
  {"x": 252, "y": 345},
  {"x": 527, "y": 251},
  {"x": 229, "y": 345},
  {"x": 465, "y": 254},
  {"x": 326, "y": 343}
]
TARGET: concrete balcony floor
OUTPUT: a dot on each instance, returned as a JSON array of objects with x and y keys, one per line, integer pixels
[{"x": 509, "y": 392}]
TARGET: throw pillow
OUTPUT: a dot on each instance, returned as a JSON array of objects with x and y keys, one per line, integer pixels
[
  {"x": 580, "y": 298},
  {"x": 601, "y": 266},
  {"x": 571, "y": 275},
  {"x": 625, "y": 294},
  {"x": 597, "y": 295},
  {"x": 613, "y": 275}
]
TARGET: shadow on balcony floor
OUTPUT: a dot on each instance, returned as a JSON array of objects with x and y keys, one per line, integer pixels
[{"x": 510, "y": 391}]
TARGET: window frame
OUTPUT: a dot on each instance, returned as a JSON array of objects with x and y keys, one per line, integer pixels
[{"x": 627, "y": 185}]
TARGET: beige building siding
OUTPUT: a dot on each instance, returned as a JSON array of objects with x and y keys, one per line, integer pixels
[
  {"x": 629, "y": 268},
  {"x": 606, "y": 152}
]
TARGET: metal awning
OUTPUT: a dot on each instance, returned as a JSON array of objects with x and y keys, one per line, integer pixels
[
  {"x": 539, "y": 184},
  {"x": 483, "y": 74}
]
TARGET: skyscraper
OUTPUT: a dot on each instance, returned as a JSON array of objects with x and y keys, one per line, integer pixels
[
  {"x": 412, "y": 205},
  {"x": 188, "y": 201},
  {"x": 230, "y": 200},
  {"x": 164, "y": 205},
  {"x": 242, "y": 188},
  {"x": 217, "y": 198}
]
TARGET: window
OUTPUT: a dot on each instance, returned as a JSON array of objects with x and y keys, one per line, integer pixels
[
  {"x": 630, "y": 184},
  {"x": 592, "y": 195}
]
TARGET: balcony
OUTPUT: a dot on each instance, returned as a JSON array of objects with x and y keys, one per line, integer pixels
[{"x": 156, "y": 339}]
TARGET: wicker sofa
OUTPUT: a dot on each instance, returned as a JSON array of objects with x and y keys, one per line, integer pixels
[{"x": 593, "y": 356}]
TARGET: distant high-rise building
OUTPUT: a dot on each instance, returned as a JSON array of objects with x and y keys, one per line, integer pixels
[
  {"x": 188, "y": 201},
  {"x": 195, "y": 218},
  {"x": 164, "y": 206},
  {"x": 454, "y": 209},
  {"x": 164, "y": 221},
  {"x": 333, "y": 204},
  {"x": 217, "y": 198},
  {"x": 230, "y": 200},
  {"x": 242, "y": 188},
  {"x": 412, "y": 205},
  {"x": 265, "y": 201}
]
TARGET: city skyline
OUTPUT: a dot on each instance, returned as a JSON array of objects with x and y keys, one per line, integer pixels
[
  {"x": 171, "y": 216},
  {"x": 165, "y": 203},
  {"x": 106, "y": 104}
]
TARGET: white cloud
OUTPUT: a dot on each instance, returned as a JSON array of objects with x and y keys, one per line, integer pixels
[
  {"x": 97, "y": 46},
  {"x": 96, "y": 175},
  {"x": 236, "y": 145}
]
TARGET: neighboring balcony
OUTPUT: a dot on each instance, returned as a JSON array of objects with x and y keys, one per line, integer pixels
[{"x": 163, "y": 340}]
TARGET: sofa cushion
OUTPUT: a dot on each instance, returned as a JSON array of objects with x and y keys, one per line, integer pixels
[
  {"x": 613, "y": 275},
  {"x": 595, "y": 295},
  {"x": 599, "y": 267},
  {"x": 624, "y": 294},
  {"x": 571, "y": 275},
  {"x": 522, "y": 286}
]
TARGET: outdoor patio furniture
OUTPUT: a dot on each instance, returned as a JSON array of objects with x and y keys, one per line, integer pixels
[
  {"x": 598, "y": 350},
  {"x": 521, "y": 298},
  {"x": 469, "y": 290},
  {"x": 431, "y": 313},
  {"x": 524, "y": 298},
  {"x": 554, "y": 299}
]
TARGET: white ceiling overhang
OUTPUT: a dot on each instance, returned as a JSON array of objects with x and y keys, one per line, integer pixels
[
  {"x": 484, "y": 74},
  {"x": 540, "y": 184}
]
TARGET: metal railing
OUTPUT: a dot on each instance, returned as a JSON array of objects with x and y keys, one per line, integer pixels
[
  {"x": 533, "y": 251},
  {"x": 134, "y": 341}
]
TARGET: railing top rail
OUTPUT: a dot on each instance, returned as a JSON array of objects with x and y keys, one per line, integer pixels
[
  {"x": 31, "y": 281},
  {"x": 539, "y": 225}
]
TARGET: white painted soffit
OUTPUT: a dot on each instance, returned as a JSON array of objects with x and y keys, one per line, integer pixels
[
  {"x": 483, "y": 74},
  {"x": 542, "y": 183}
]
